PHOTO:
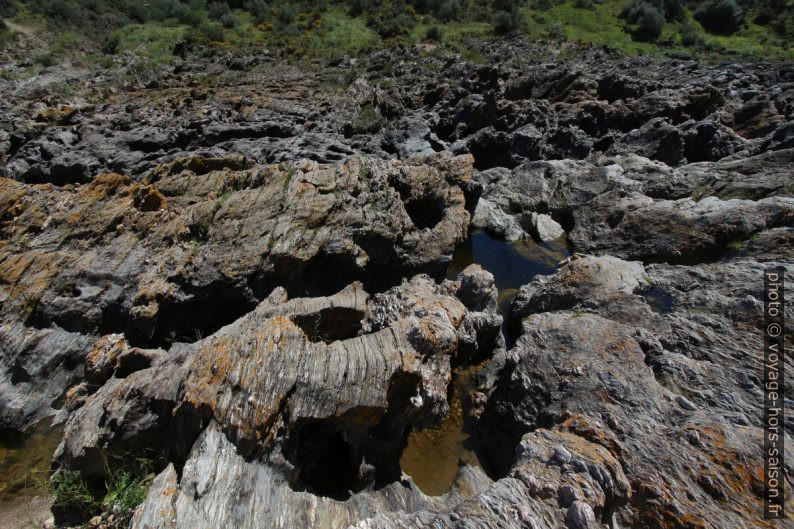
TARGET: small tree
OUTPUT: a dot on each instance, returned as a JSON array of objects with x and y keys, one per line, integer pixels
[
  {"x": 504, "y": 22},
  {"x": 647, "y": 20},
  {"x": 720, "y": 16},
  {"x": 690, "y": 35},
  {"x": 434, "y": 34},
  {"x": 450, "y": 10}
]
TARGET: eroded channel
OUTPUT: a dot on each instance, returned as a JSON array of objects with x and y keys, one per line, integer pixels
[{"x": 433, "y": 456}]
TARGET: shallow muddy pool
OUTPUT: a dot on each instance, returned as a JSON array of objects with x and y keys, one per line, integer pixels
[
  {"x": 433, "y": 456},
  {"x": 25, "y": 460}
]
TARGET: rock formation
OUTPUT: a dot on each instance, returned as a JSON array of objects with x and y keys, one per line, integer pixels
[{"x": 246, "y": 282}]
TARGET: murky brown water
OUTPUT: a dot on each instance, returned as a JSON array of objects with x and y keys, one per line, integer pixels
[
  {"x": 433, "y": 456},
  {"x": 25, "y": 460}
]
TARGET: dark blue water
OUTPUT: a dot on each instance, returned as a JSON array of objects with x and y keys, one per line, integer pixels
[
  {"x": 513, "y": 264},
  {"x": 659, "y": 300}
]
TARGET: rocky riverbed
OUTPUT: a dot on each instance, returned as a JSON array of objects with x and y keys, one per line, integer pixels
[{"x": 534, "y": 281}]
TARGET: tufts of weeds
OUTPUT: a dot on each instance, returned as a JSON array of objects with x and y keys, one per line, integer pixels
[{"x": 76, "y": 499}]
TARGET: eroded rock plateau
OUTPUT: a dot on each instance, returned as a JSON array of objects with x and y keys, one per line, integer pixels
[{"x": 250, "y": 282}]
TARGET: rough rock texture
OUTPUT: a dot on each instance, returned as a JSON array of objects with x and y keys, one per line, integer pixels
[
  {"x": 302, "y": 399},
  {"x": 243, "y": 279},
  {"x": 526, "y": 102},
  {"x": 145, "y": 259},
  {"x": 635, "y": 208},
  {"x": 658, "y": 366}
]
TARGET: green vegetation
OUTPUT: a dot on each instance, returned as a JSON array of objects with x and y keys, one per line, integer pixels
[
  {"x": 285, "y": 187},
  {"x": 69, "y": 490},
  {"x": 602, "y": 24},
  {"x": 720, "y": 16},
  {"x": 221, "y": 200},
  {"x": 158, "y": 30},
  {"x": 152, "y": 44},
  {"x": 123, "y": 490}
]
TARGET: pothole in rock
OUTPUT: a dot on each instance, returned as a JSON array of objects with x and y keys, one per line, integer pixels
[
  {"x": 424, "y": 212},
  {"x": 433, "y": 456},
  {"x": 659, "y": 300},
  {"x": 323, "y": 460},
  {"x": 25, "y": 459},
  {"x": 513, "y": 264},
  {"x": 330, "y": 324}
]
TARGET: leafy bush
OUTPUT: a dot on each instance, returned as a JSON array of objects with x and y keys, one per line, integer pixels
[
  {"x": 216, "y": 10},
  {"x": 62, "y": 10},
  {"x": 505, "y": 22},
  {"x": 125, "y": 491},
  {"x": 450, "y": 10},
  {"x": 286, "y": 14},
  {"x": 720, "y": 16},
  {"x": 45, "y": 59},
  {"x": 229, "y": 20},
  {"x": 211, "y": 31},
  {"x": 434, "y": 33},
  {"x": 648, "y": 20},
  {"x": 690, "y": 35},
  {"x": 258, "y": 9},
  {"x": 70, "y": 492},
  {"x": 111, "y": 45},
  {"x": 122, "y": 491},
  {"x": 673, "y": 10}
]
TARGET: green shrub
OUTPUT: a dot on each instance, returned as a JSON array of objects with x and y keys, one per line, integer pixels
[
  {"x": 125, "y": 491},
  {"x": 690, "y": 35},
  {"x": 505, "y": 22},
  {"x": 70, "y": 491},
  {"x": 434, "y": 33},
  {"x": 584, "y": 4},
  {"x": 45, "y": 59},
  {"x": 450, "y": 10},
  {"x": 111, "y": 45},
  {"x": 258, "y": 9},
  {"x": 673, "y": 10},
  {"x": 229, "y": 20},
  {"x": 647, "y": 20},
  {"x": 286, "y": 14},
  {"x": 211, "y": 31},
  {"x": 62, "y": 10},
  {"x": 723, "y": 17},
  {"x": 217, "y": 10}
]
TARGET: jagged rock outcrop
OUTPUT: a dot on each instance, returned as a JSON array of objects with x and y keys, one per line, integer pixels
[
  {"x": 619, "y": 205},
  {"x": 655, "y": 365},
  {"x": 527, "y": 102},
  {"x": 147, "y": 259},
  {"x": 309, "y": 398},
  {"x": 243, "y": 281}
]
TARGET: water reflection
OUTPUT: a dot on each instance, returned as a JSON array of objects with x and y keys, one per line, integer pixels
[
  {"x": 25, "y": 459},
  {"x": 433, "y": 456},
  {"x": 513, "y": 264}
]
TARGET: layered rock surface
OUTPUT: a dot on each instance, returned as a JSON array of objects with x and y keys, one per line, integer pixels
[
  {"x": 148, "y": 259},
  {"x": 244, "y": 280},
  {"x": 300, "y": 404}
]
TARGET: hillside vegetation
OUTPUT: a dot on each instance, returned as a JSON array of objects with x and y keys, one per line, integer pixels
[{"x": 322, "y": 28}]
